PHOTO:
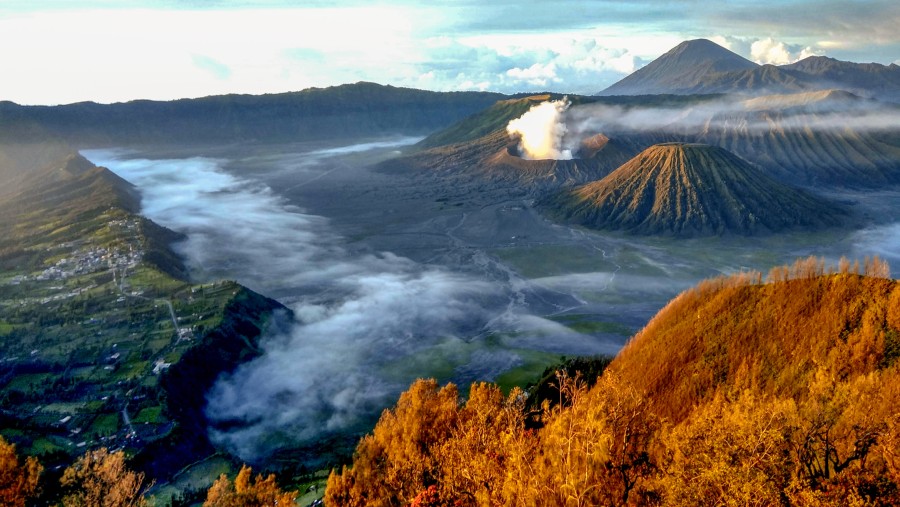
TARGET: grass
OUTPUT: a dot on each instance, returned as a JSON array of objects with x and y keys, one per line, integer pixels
[
  {"x": 583, "y": 324},
  {"x": 105, "y": 425},
  {"x": 44, "y": 446},
  {"x": 198, "y": 476},
  {"x": 29, "y": 381},
  {"x": 438, "y": 361},
  {"x": 553, "y": 260},
  {"x": 149, "y": 415},
  {"x": 63, "y": 407},
  {"x": 6, "y": 328},
  {"x": 530, "y": 371}
]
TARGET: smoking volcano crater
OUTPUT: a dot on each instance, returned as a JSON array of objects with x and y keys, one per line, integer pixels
[
  {"x": 596, "y": 157},
  {"x": 529, "y": 154},
  {"x": 537, "y": 150}
]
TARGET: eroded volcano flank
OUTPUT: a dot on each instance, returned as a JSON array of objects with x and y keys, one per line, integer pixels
[{"x": 690, "y": 190}]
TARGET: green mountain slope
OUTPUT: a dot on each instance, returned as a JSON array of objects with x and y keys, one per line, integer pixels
[{"x": 98, "y": 324}]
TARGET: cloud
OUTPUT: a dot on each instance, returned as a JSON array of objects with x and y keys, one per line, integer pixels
[
  {"x": 883, "y": 241},
  {"x": 874, "y": 21},
  {"x": 578, "y": 64},
  {"x": 536, "y": 75},
  {"x": 737, "y": 45},
  {"x": 331, "y": 374},
  {"x": 282, "y": 46},
  {"x": 802, "y": 111},
  {"x": 770, "y": 51}
]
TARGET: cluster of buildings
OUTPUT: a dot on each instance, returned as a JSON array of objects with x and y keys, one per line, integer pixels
[{"x": 90, "y": 260}]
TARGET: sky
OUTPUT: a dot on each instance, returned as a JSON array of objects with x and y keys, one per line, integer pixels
[{"x": 64, "y": 51}]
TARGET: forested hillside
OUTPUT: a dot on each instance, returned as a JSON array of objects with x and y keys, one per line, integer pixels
[{"x": 739, "y": 392}]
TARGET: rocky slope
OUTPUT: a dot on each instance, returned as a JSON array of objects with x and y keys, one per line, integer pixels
[{"x": 687, "y": 190}]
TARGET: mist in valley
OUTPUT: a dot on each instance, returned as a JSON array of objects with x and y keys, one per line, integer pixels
[{"x": 362, "y": 320}]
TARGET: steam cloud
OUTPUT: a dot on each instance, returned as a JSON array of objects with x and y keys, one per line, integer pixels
[
  {"x": 813, "y": 111},
  {"x": 554, "y": 130},
  {"x": 367, "y": 325},
  {"x": 541, "y": 131}
]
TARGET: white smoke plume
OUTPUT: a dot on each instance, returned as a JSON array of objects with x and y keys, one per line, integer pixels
[
  {"x": 541, "y": 131},
  {"x": 555, "y": 129},
  {"x": 811, "y": 111}
]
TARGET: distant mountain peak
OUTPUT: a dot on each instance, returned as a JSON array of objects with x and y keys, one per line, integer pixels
[
  {"x": 684, "y": 67},
  {"x": 706, "y": 50},
  {"x": 701, "y": 66}
]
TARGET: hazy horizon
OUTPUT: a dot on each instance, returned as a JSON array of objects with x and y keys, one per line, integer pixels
[{"x": 118, "y": 51}]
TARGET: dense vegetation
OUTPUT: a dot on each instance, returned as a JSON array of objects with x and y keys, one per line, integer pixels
[
  {"x": 101, "y": 478},
  {"x": 738, "y": 393}
]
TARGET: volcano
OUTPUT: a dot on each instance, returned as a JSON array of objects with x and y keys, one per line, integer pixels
[
  {"x": 495, "y": 159},
  {"x": 690, "y": 190},
  {"x": 683, "y": 69}
]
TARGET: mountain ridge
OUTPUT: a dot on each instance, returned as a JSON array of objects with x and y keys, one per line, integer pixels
[
  {"x": 739, "y": 391},
  {"x": 701, "y": 66},
  {"x": 351, "y": 110}
]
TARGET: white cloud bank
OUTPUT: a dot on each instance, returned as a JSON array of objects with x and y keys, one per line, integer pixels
[{"x": 778, "y": 53}]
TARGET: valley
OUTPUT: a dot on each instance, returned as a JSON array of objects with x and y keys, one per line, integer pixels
[
  {"x": 331, "y": 222},
  {"x": 253, "y": 279}
]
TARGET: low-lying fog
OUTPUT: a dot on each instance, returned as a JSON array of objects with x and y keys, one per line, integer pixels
[{"x": 388, "y": 283}]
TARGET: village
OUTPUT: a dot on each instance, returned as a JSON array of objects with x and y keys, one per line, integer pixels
[{"x": 87, "y": 337}]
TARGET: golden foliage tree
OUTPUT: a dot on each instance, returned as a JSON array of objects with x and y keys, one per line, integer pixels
[
  {"x": 730, "y": 454},
  {"x": 247, "y": 492},
  {"x": 845, "y": 441},
  {"x": 432, "y": 450},
  {"x": 397, "y": 461},
  {"x": 473, "y": 460},
  {"x": 593, "y": 450},
  {"x": 18, "y": 480},
  {"x": 101, "y": 479}
]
